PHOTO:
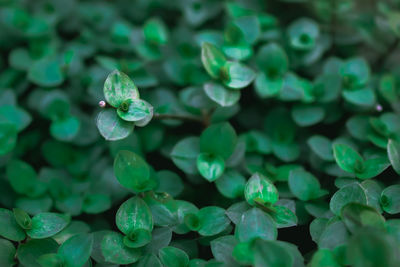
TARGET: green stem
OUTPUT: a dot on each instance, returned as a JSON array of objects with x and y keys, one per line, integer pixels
[{"x": 159, "y": 116}]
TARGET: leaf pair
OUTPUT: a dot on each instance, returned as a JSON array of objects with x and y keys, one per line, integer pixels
[
  {"x": 16, "y": 225},
  {"x": 75, "y": 252},
  {"x": 217, "y": 144},
  {"x": 350, "y": 161},
  {"x": 122, "y": 94},
  {"x": 232, "y": 74},
  {"x": 207, "y": 221}
]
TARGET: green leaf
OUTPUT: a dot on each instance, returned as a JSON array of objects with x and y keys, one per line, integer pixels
[
  {"x": 348, "y": 159},
  {"x": 272, "y": 60},
  {"x": 255, "y": 223},
  {"x": 134, "y": 110},
  {"x": 321, "y": 146},
  {"x": 149, "y": 260},
  {"x": 219, "y": 139},
  {"x": 50, "y": 260},
  {"x": 47, "y": 224},
  {"x": 213, "y": 59},
  {"x": 8, "y": 137},
  {"x": 65, "y": 129},
  {"x": 112, "y": 127},
  {"x": 223, "y": 96},
  {"x": 96, "y": 203},
  {"x": 161, "y": 237},
  {"x": 361, "y": 97},
  {"x": 324, "y": 258},
  {"x": 23, "y": 178},
  {"x": 184, "y": 154},
  {"x": 134, "y": 214},
  {"x": 349, "y": 193},
  {"x": 390, "y": 199},
  {"x": 22, "y": 218},
  {"x": 155, "y": 31},
  {"x": 393, "y": 150},
  {"x": 333, "y": 235},
  {"x": 231, "y": 184},
  {"x": 76, "y": 250},
  {"x": 15, "y": 115},
  {"x": 236, "y": 75},
  {"x": 169, "y": 182},
  {"x": 9, "y": 227},
  {"x": 271, "y": 253},
  {"x": 243, "y": 253},
  {"x": 260, "y": 190},
  {"x": 46, "y": 73},
  {"x": 75, "y": 227},
  {"x": 355, "y": 73},
  {"x": 131, "y": 170},
  {"x": 257, "y": 141},
  {"x": 173, "y": 257},
  {"x": 266, "y": 86},
  {"x": 114, "y": 250},
  {"x": 210, "y": 166},
  {"x": 307, "y": 115},
  {"x": 284, "y": 217},
  {"x": 118, "y": 88},
  {"x": 29, "y": 252},
  {"x": 137, "y": 238},
  {"x": 304, "y": 185},
  {"x": 213, "y": 220},
  {"x": 7, "y": 253},
  {"x": 222, "y": 248},
  {"x": 303, "y": 34},
  {"x": 356, "y": 215},
  {"x": 373, "y": 167},
  {"x": 372, "y": 248}
]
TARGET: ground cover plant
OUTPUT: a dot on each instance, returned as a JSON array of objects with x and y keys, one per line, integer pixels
[{"x": 199, "y": 133}]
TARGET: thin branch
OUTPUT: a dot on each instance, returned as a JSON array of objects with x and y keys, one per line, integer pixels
[{"x": 159, "y": 116}]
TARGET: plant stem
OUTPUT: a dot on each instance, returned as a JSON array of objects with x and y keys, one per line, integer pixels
[
  {"x": 204, "y": 119},
  {"x": 159, "y": 116}
]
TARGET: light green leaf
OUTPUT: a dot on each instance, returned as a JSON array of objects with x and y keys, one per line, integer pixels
[
  {"x": 390, "y": 199},
  {"x": 76, "y": 250},
  {"x": 114, "y": 250},
  {"x": 236, "y": 75},
  {"x": 112, "y": 127},
  {"x": 349, "y": 193},
  {"x": 118, "y": 88},
  {"x": 9, "y": 227},
  {"x": 213, "y": 59},
  {"x": 259, "y": 189},
  {"x": 347, "y": 158},
  {"x": 393, "y": 149},
  {"x": 255, "y": 223},
  {"x": 7, "y": 253},
  {"x": 134, "y": 110},
  {"x": 210, "y": 166},
  {"x": 223, "y": 96},
  {"x": 131, "y": 170},
  {"x": 219, "y": 139},
  {"x": 213, "y": 220},
  {"x": 134, "y": 214},
  {"x": 304, "y": 185},
  {"x": 173, "y": 257},
  {"x": 47, "y": 224}
]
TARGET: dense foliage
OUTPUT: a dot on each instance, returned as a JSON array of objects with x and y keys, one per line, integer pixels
[{"x": 199, "y": 133}]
